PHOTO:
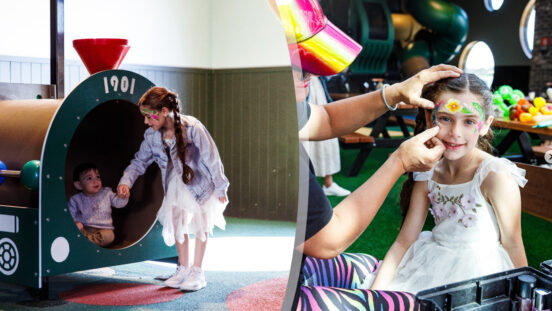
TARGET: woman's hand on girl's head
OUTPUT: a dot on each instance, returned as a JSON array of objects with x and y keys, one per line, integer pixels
[
  {"x": 123, "y": 191},
  {"x": 410, "y": 90}
]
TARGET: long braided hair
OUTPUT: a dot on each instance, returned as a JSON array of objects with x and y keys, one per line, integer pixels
[
  {"x": 466, "y": 82},
  {"x": 159, "y": 97}
]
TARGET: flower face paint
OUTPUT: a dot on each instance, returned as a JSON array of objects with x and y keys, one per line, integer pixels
[
  {"x": 461, "y": 120},
  {"x": 153, "y": 118},
  {"x": 454, "y": 105},
  {"x": 150, "y": 114},
  {"x": 481, "y": 112}
]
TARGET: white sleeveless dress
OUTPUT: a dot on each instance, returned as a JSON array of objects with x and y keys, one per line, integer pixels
[
  {"x": 181, "y": 214},
  {"x": 464, "y": 243}
]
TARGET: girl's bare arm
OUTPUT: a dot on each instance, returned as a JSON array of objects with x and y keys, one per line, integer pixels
[
  {"x": 413, "y": 224},
  {"x": 502, "y": 192}
]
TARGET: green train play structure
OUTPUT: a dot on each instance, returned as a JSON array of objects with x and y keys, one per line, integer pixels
[{"x": 42, "y": 140}]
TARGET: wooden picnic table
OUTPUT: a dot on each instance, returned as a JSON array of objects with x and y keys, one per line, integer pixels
[{"x": 520, "y": 132}]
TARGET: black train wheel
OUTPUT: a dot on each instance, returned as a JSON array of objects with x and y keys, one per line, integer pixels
[{"x": 9, "y": 257}]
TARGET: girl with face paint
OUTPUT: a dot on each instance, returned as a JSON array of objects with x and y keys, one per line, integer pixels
[
  {"x": 474, "y": 199},
  {"x": 193, "y": 181}
]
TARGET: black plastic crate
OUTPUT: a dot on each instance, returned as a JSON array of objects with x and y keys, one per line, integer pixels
[
  {"x": 491, "y": 292},
  {"x": 546, "y": 267}
]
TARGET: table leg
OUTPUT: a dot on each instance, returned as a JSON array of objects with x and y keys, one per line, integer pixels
[
  {"x": 378, "y": 126},
  {"x": 404, "y": 128},
  {"x": 527, "y": 149},
  {"x": 508, "y": 140},
  {"x": 359, "y": 160}
]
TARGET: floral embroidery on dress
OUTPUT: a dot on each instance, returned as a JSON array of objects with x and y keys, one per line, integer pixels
[{"x": 463, "y": 206}]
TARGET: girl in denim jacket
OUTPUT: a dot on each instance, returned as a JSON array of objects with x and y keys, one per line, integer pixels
[{"x": 193, "y": 180}]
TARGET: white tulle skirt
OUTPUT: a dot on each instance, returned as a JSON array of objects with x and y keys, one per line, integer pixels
[
  {"x": 180, "y": 213},
  {"x": 429, "y": 263}
]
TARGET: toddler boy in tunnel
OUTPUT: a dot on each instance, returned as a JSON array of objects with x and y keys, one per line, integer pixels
[{"x": 91, "y": 207}]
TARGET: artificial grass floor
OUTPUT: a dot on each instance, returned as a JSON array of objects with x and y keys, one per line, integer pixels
[{"x": 383, "y": 230}]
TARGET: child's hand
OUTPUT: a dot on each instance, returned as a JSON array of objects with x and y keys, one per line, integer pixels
[
  {"x": 222, "y": 199},
  {"x": 79, "y": 225},
  {"x": 123, "y": 191}
]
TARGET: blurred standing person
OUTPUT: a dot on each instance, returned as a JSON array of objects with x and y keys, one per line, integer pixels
[{"x": 324, "y": 154}]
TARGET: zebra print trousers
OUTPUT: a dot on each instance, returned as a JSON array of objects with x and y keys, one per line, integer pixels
[{"x": 332, "y": 284}]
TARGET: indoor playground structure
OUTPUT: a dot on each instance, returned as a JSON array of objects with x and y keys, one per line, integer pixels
[
  {"x": 431, "y": 32},
  {"x": 42, "y": 140}
]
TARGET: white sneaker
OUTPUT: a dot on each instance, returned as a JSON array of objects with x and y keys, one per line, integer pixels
[
  {"x": 195, "y": 280},
  {"x": 335, "y": 189},
  {"x": 179, "y": 277},
  {"x": 164, "y": 277}
]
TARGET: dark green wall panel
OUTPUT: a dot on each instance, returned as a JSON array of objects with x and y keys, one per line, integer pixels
[
  {"x": 252, "y": 117},
  {"x": 254, "y": 123},
  {"x": 195, "y": 91}
]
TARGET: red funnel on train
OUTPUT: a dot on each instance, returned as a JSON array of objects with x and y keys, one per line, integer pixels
[{"x": 101, "y": 54}]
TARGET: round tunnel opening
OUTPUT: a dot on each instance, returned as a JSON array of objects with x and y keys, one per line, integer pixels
[{"x": 108, "y": 136}]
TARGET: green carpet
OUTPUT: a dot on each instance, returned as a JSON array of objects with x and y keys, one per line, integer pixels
[{"x": 383, "y": 230}]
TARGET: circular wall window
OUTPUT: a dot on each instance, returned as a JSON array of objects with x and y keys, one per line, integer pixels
[
  {"x": 527, "y": 28},
  {"x": 477, "y": 58},
  {"x": 493, "y": 5}
]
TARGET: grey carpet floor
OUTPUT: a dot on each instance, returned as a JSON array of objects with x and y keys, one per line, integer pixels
[{"x": 249, "y": 251}]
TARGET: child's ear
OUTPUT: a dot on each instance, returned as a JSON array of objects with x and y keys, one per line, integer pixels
[
  {"x": 165, "y": 111},
  {"x": 77, "y": 185},
  {"x": 486, "y": 126}
]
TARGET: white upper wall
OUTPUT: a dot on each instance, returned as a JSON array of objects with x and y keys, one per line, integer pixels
[
  {"x": 25, "y": 28},
  {"x": 246, "y": 33},
  {"x": 174, "y": 33}
]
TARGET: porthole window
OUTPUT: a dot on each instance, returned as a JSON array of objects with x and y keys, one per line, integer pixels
[
  {"x": 477, "y": 58},
  {"x": 527, "y": 29},
  {"x": 493, "y": 5}
]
